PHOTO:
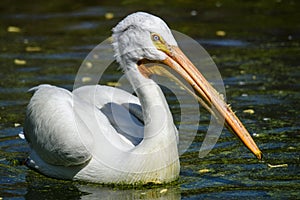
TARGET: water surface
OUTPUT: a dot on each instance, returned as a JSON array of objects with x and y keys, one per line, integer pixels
[{"x": 257, "y": 52}]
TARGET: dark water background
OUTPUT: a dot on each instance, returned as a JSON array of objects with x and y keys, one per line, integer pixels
[{"x": 255, "y": 44}]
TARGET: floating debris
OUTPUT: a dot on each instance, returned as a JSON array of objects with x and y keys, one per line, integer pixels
[
  {"x": 22, "y": 136},
  {"x": 89, "y": 65},
  {"x": 277, "y": 166},
  {"x": 220, "y": 33},
  {"x": 242, "y": 83},
  {"x": 86, "y": 79},
  {"x": 109, "y": 15},
  {"x": 20, "y": 62},
  {"x": 95, "y": 56},
  {"x": 17, "y": 124},
  {"x": 255, "y": 135},
  {"x": 194, "y": 13},
  {"x": 163, "y": 191},
  {"x": 202, "y": 171},
  {"x": 249, "y": 111},
  {"x": 113, "y": 84},
  {"x": 13, "y": 29},
  {"x": 33, "y": 49}
]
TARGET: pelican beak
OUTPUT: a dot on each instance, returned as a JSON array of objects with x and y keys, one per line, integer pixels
[{"x": 183, "y": 66}]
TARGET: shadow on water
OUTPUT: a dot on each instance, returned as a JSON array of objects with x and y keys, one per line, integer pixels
[{"x": 255, "y": 45}]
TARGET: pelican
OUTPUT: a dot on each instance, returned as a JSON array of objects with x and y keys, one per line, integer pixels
[{"x": 106, "y": 135}]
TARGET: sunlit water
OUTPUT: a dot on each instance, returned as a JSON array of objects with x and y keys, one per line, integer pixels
[{"x": 257, "y": 54}]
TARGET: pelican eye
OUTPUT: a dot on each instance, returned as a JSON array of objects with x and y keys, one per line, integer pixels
[
  {"x": 159, "y": 42},
  {"x": 155, "y": 37}
]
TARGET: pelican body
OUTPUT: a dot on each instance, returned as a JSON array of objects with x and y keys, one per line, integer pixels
[{"x": 106, "y": 135}]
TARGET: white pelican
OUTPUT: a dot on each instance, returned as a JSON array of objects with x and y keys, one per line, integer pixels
[{"x": 88, "y": 144}]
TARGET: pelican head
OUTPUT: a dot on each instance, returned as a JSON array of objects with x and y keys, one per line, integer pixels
[{"x": 142, "y": 36}]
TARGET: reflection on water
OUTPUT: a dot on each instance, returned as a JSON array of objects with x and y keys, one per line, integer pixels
[
  {"x": 53, "y": 189},
  {"x": 254, "y": 44}
]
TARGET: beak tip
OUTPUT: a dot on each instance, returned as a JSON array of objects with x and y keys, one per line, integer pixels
[{"x": 259, "y": 155}]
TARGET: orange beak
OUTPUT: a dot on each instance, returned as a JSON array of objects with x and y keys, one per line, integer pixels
[{"x": 209, "y": 96}]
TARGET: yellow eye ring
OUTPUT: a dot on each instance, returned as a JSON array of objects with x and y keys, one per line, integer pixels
[{"x": 155, "y": 37}]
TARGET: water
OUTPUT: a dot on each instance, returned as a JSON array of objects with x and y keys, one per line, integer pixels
[{"x": 257, "y": 57}]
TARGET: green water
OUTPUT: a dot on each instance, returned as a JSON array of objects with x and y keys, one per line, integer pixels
[{"x": 258, "y": 57}]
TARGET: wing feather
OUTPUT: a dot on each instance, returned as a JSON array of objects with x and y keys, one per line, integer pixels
[
  {"x": 50, "y": 127},
  {"x": 61, "y": 125}
]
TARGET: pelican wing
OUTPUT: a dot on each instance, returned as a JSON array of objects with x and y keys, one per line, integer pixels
[
  {"x": 121, "y": 108},
  {"x": 61, "y": 126},
  {"x": 50, "y": 127}
]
